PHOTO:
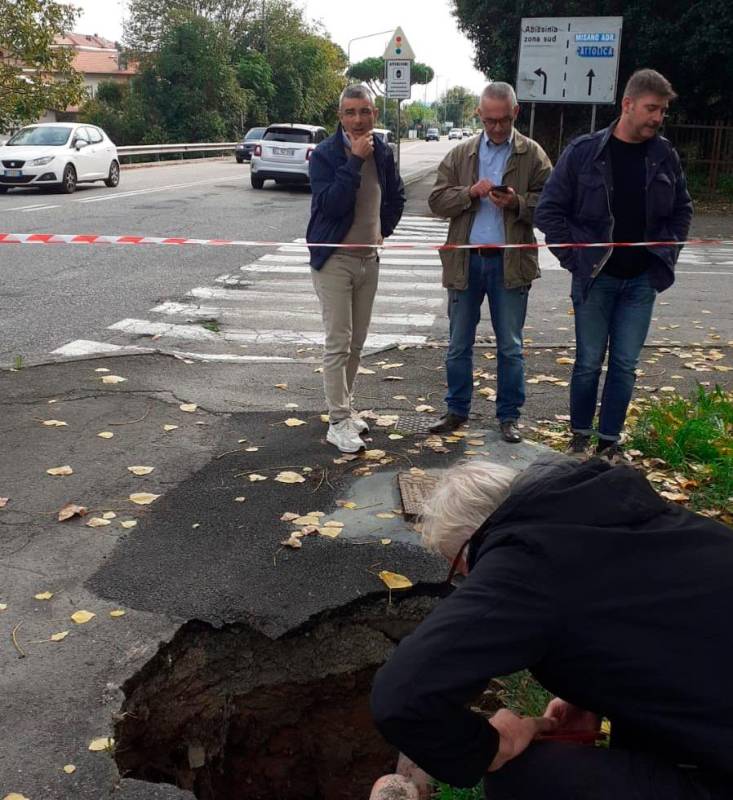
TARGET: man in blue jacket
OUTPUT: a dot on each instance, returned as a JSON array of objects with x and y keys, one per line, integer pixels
[
  {"x": 621, "y": 184},
  {"x": 358, "y": 197}
]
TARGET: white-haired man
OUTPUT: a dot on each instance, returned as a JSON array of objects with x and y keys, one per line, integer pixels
[
  {"x": 488, "y": 187},
  {"x": 358, "y": 197},
  {"x": 617, "y": 601}
]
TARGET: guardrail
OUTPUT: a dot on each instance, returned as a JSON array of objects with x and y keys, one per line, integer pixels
[{"x": 166, "y": 149}]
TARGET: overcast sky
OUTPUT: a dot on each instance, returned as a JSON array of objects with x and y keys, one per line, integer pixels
[{"x": 428, "y": 25}]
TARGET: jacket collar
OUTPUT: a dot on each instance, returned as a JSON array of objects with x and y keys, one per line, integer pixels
[
  {"x": 519, "y": 144},
  {"x": 658, "y": 148}
]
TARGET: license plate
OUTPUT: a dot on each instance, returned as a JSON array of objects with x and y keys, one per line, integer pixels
[
  {"x": 282, "y": 151},
  {"x": 13, "y": 173}
]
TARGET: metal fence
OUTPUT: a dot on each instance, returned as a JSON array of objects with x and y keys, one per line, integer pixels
[
  {"x": 154, "y": 151},
  {"x": 707, "y": 155}
]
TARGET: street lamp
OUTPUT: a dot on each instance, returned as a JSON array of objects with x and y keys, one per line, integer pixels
[{"x": 356, "y": 38}]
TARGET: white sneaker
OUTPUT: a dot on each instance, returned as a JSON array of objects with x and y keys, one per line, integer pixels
[
  {"x": 359, "y": 423},
  {"x": 345, "y": 436}
]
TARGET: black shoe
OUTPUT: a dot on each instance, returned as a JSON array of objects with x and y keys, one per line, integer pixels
[
  {"x": 510, "y": 432},
  {"x": 448, "y": 423},
  {"x": 578, "y": 447},
  {"x": 611, "y": 451}
]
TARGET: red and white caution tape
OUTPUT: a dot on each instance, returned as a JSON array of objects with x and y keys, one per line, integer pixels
[{"x": 70, "y": 238}]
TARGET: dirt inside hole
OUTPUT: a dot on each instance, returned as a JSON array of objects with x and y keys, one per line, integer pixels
[{"x": 232, "y": 715}]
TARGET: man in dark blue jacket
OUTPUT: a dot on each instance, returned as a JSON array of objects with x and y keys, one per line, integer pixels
[
  {"x": 622, "y": 184},
  {"x": 358, "y": 197},
  {"x": 617, "y": 601}
]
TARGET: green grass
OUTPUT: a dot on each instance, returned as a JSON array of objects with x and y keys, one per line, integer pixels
[
  {"x": 695, "y": 437},
  {"x": 521, "y": 694}
]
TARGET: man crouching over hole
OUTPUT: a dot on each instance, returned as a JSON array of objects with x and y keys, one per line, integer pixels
[{"x": 616, "y": 601}]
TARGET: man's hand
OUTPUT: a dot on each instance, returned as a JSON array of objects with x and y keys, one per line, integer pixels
[
  {"x": 570, "y": 718},
  {"x": 516, "y": 734},
  {"x": 363, "y": 147},
  {"x": 506, "y": 199},
  {"x": 481, "y": 189}
]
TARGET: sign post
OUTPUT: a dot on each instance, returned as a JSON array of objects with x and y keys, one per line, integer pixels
[
  {"x": 398, "y": 58},
  {"x": 569, "y": 60}
]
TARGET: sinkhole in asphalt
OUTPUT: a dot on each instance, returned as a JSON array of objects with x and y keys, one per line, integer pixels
[{"x": 231, "y": 714}]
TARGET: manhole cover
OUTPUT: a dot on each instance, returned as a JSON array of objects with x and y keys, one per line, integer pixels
[
  {"x": 415, "y": 423},
  {"x": 414, "y": 490}
]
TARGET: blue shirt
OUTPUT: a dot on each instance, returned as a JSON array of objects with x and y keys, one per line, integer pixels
[{"x": 488, "y": 224}]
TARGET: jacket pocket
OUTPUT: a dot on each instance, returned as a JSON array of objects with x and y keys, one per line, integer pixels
[
  {"x": 592, "y": 201},
  {"x": 661, "y": 196}
]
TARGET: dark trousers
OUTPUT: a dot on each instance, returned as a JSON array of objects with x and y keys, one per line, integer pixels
[{"x": 563, "y": 771}]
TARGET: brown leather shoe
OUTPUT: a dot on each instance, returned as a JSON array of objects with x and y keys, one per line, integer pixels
[
  {"x": 448, "y": 423},
  {"x": 510, "y": 432}
]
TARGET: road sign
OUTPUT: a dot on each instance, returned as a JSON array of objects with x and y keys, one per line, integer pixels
[
  {"x": 398, "y": 79},
  {"x": 569, "y": 59},
  {"x": 399, "y": 47}
]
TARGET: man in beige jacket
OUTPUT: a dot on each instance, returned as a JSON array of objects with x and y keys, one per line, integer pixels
[{"x": 488, "y": 187}]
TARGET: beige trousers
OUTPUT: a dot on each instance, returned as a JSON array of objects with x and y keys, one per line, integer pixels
[{"x": 346, "y": 286}]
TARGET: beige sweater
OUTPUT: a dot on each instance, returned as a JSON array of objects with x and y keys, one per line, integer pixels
[{"x": 367, "y": 225}]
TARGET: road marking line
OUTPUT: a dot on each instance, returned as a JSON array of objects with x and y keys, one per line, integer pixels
[
  {"x": 239, "y": 295},
  {"x": 153, "y": 189}
]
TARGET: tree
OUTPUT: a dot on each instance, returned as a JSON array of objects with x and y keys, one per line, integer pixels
[
  {"x": 148, "y": 20},
  {"x": 687, "y": 42},
  {"x": 458, "y": 106},
  {"x": 370, "y": 71},
  {"x": 35, "y": 75}
]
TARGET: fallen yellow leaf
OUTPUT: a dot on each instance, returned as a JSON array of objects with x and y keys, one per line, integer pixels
[
  {"x": 384, "y": 515},
  {"x": 143, "y": 498},
  {"x": 129, "y": 523},
  {"x": 331, "y": 533},
  {"x": 188, "y": 407},
  {"x": 113, "y": 379},
  {"x": 71, "y": 510},
  {"x": 4, "y": 501},
  {"x": 168, "y": 428},
  {"x": 102, "y": 743},
  {"x": 240, "y": 499},
  {"x": 424, "y": 409},
  {"x": 395, "y": 436},
  {"x": 254, "y": 477},
  {"x": 293, "y": 422},
  {"x": 291, "y": 405},
  {"x": 324, "y": 418},
  {"x": 59, "y": 637},
  {"x": 109, "y": 515},
  {"x": 251, "y": 449},
  {"x": 97, "y": 522},
  {"x": 54, "y": 423},
  {"x": 394, "y": 580},
  {"x": 118, "y": 612},
  {"x": 69, "y": 769},
  {"x": 308, "y": 519},
  {"x": 15, "y": 796},
  {"x": 289, "y": 477},
  {"x": 333, "y": 523},
  {"x": 564, "y": 360},
  {"x": 385, "y": 541},
  {"x": 81, "y": 617},
  {"x": 105, "y": 435},
  {"x": 293, "y": 541},
  {"x": 365, "y": 371},
  {"x": 281, "y": 386},
  {"x": 101, "y": 369},
  {"x": 43, "y": 595},
  {"x": 374, "y": 455},
  {"x": 350, "y": 504},
  {"x": 60, "y": 471},
  {"x": 3, "y": 606},
  {"x": 140, "y": 471},
  {"x": 289, "y": 516}
]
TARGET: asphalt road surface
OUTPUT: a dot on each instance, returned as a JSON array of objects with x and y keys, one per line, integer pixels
[{"x": 248, "y": 305}]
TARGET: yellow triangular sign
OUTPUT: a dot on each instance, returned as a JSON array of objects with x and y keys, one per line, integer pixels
[{"x": 399, "y": 47}]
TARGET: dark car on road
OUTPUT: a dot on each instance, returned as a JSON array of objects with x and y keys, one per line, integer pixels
[
  {"x": 432, "y": 135},
  {"x": 243, "y": 151}
]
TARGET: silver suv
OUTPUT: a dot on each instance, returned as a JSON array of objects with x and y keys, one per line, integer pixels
[{"x": 283, "y": 154}]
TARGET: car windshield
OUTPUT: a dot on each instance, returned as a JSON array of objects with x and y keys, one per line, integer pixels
[
  {"x": 54, "y": 137},
  {"x": 288, "y": 135},
  {"x": 254, "y": 133}
]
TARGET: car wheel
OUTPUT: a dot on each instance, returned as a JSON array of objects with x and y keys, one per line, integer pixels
[
  {"x": 68, "y": 181},
  {"x": 257, "y": 183},
  {"x": 239, "y": 160},
  {"x": 114, "y": 175}
]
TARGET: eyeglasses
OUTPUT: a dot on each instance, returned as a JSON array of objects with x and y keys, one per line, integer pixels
[
  {"x": 494, "y": 123},
  {"x": 362, "y": 112}
]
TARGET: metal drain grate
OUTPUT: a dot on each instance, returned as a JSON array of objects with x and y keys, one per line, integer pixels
[
  {"x": 415, "y": 424},
  {"x": 414, "y": 490}
]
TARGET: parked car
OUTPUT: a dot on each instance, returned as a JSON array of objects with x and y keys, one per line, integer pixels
[
  {"x": 432, "y": 135},
  {"x": 387, "y": 137},
  {"x": 283, "y": 154},
  {"x": 59, "y": 154},
  {"x": 467, "y": 132},
  {"x": 244, "y": 149},
  {"x": 455, "y": 133}
]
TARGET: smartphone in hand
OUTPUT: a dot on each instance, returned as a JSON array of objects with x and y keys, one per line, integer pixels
[{"x": 503, "y": 189}]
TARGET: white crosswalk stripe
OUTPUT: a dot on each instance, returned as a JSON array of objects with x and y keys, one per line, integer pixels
[{"x": 268, "y": 311}]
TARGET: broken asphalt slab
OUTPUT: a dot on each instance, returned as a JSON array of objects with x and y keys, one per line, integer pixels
[{"x": 195, "y": 552}]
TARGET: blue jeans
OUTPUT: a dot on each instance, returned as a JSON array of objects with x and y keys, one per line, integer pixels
[
  {"x": 508, "y": 309},
  {"x": 615, "y": 317}
]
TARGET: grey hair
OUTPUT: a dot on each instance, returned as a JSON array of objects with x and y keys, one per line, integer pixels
[
  {"x": 356, "y": 91},
  {"x": 466, "y": 495},
  {"x": 649, "y": 81},
  {"x": 498, "y": 90}
]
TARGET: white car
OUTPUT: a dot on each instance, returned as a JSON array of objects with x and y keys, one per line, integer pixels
[
  {"x": 455, "y": 133},
  {"x": 59, "y": 154},
  {"x": 284, "y": 152}
]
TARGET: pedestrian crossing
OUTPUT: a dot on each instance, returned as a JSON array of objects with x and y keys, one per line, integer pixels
[{"x": 268, "y": 310}]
